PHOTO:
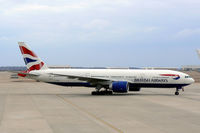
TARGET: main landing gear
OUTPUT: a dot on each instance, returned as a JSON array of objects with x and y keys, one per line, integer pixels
[
  {"x": 103, "y": 92},
  {"x": 177, "y": 90}
]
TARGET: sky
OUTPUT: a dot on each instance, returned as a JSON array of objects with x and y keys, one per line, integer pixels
[{"x": 102, "y": 33}]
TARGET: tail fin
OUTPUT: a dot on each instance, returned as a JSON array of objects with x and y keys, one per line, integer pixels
[
  {"x": 198, "y": 52},
  {"x": 32, "y": 61}
]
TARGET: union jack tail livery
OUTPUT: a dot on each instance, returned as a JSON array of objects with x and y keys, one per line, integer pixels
[{"x": 32, "y": 61}]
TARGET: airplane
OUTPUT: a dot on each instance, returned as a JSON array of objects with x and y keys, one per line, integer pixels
[{"x": 105, "y": 81}]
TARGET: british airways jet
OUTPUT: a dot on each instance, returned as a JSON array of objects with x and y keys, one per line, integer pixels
[{"x": 106, "y": 81}]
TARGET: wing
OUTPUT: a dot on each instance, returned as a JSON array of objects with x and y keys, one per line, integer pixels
[
  {"x": 83, "y": 78},
  {"x": 91, "y": 79}
]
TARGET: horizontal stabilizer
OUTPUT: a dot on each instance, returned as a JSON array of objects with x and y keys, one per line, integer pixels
[{"x": 24, "y": 74}]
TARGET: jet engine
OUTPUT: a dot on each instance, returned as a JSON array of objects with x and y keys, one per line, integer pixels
[{"x": 119, "y": 86}]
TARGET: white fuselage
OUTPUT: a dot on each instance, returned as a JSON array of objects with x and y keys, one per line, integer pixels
[{"x": 140, "y": 78}]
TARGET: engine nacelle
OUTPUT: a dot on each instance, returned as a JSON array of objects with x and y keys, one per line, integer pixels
[{"x": 119, "y": 86}]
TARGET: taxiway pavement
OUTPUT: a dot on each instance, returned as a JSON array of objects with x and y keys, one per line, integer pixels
[{"x": 34, "y": 107}]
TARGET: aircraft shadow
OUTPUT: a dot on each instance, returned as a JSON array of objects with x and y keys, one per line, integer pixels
[
  {"x": 114, "y": 95},
  {"x": 89, "y": 95}
]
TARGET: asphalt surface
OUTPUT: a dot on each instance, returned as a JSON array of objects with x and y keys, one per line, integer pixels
[{"x": 34, "y": 107}]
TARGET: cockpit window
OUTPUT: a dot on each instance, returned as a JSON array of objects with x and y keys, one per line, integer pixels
[{"x": 187, "y": 77}]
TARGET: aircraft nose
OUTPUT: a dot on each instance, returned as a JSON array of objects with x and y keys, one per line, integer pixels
[{"x": 192, "y": 80}]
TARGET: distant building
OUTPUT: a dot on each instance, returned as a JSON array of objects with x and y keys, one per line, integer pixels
[
  {"x": 162, "y": 68},
  {"x": 12, "y": 68},
  {"x": 191, "y": 68},
  {"x": 60, "y": 67}
]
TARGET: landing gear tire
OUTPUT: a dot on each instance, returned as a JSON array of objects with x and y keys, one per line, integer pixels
[
  {"x": 176, "y": 93},
  {"x": 177, "y": 90},
  {"x": 95, "y": 93},
  {"x": 108, "y": 92},
  {"x": 102, "y": 93}
]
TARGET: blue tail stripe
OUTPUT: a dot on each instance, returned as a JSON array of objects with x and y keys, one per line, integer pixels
[{"x": 28, "y": 60}]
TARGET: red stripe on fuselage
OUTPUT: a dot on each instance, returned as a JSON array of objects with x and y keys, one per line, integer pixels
[
  {"x": 26, "y": 51},
  {"x": 169, "y": 75}
]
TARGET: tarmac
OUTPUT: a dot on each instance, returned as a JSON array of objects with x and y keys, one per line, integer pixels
[{"x": 27, "y": 106}]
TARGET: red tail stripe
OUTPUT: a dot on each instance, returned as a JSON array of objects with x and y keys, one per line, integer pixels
[
  {"x": 26, "y": 51},
  {"x": 36, "y": 67}
]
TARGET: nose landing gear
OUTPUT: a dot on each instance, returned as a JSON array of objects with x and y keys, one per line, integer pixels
[
  {"x": 176, "y": 93},
  {"x": 177, "y": 90}
]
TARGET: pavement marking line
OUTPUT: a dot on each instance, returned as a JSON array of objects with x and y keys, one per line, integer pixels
[{"x": 90, "y": 114}]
